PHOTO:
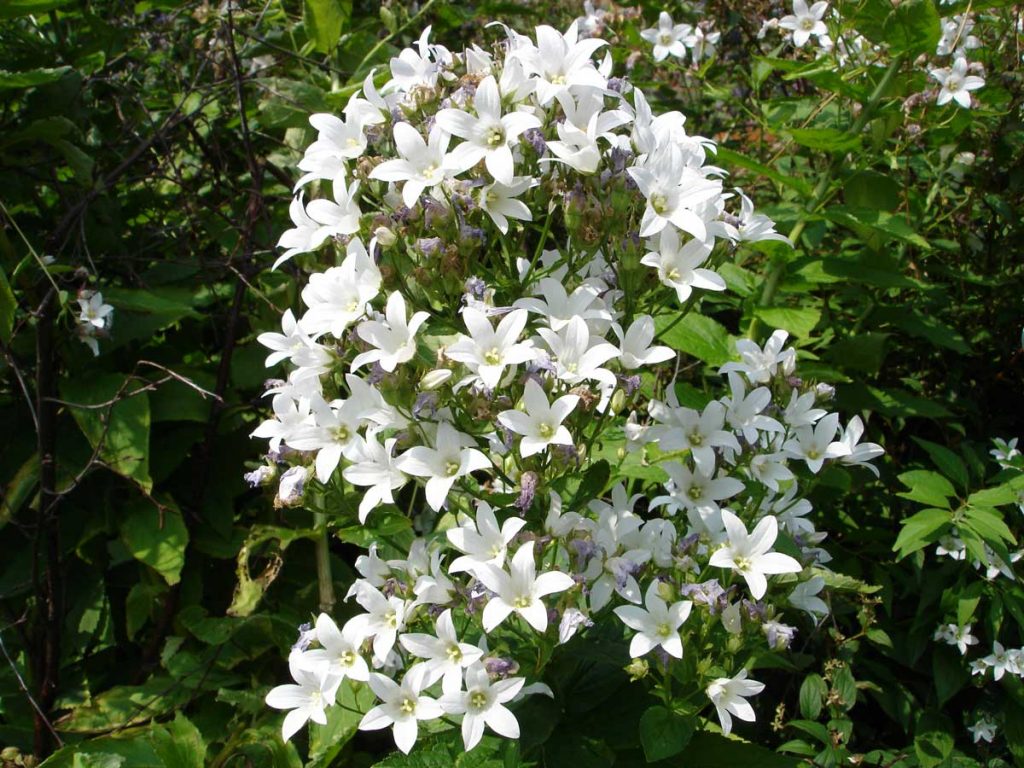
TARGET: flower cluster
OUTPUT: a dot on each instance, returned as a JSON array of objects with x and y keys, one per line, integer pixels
[
  {"x": 679, "y": 40},
  {"x": 94, "y": 319},
  {"x": 485, "y": 359},
  {"x": 958, "y": 80}
]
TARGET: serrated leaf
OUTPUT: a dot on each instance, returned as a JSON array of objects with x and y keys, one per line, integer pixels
[
  {"x": 922, "y": 529},
  {"x": 988, "y": 524}
]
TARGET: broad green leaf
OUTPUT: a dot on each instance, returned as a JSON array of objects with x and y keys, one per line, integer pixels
[
  {"x": 952, "y": 466},
  {"x": 126, "y": 705},
  {"x": 179, "y": 744},
  {"x": 889, "y": 224},
  {"x": 860, "y": 352},
  {"x": 30, "y": 78},
  {"x": 133, "y": 750},
  {"x": 933, "y": 748},
  {"x": 988, "y": 524},
  {"x": 812, "y": 695},
  {"x": 845, "y": 687},
  {"x": 325, "y": 20},
  {"x": 113, "y": 413},
  {"x": 915, "y": 323},
  {"x": 711, "y": 750},
  {"x": 800, "y": 321},
  {"x": 729, "y": 157},
  {"x": 10, "y": 9},
  {"x": 663, "y": 733},
  {"x": 927, "y": 487},
  {"x": 871, "y": 189},
  {"x": 325, "y": 742},
  {"x": 828, "y": 139},
  {"x": 156, "y": 537},
  {"x": 1007, "y": 493},
  {"x": 593, "y": 483},
  {"x": 380, "y": 523},
  {"x": 922, "y": 529},
  {"x": 696, "y": 335}
]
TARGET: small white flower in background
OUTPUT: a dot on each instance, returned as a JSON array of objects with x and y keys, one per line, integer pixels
[
  {"x": 1001, "y": 661},
  {"x": 817, "y": 444},
  {"x": 314, "y": 689},
  {"x": 761, "y": 364},
  {"x": 805, "y": 22},
  {"x": 956, "y": 36},
  {"x": 751, "y": 227},
  {"x": 93, "y": 312},
  {"x": 499, "y": 201},
  {"x": 956, "y": 84},
  {"x": 483, "y": 704},
  {"x": 1005, "y": 452},
  {"x": 702, "y": 42},
  {"x": 961, "y": 637},
  {"x": 729, "y": 695},
  {"x": 805, "y": 597},
  {"x": 750, "y": 555},
  {"x": 656, "y": 624},
  {"x": 667, "y": 38},
  {"x": 983, "y": 730},
  {"x": 402, "y": 707},
  {"x": 446, "y": 657},
  {"x": 521, "y": 590},
  {"x": 452, "y": 458},
  {"x": 859, "y": 453},
  {"x": 541, "y": 424}
]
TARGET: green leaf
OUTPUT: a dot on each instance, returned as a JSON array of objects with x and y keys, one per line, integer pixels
[
  {"x": 927, "y": 327},
  {"x": 812, "y": 695},
  {"x": 845, "y": 687},
  {"x": 988, "y": 524},
  {"x": 325, "y": 20},
  {"x": 325, "y": 742},
  {"x": 871, "y": 189},
  {"x": 126, "y": 705},
  {"x": 927, "y": 487},
  {"x": 933, "y": 748},
  {"x": 696, "y": 335},
  {"x": 860, "y": 352},
  {"x": 711, "y": 750},
  {"x": 663, "y": 733},
  {"x": 117, "y": 423},
  {"x": 828, "y": 139},
  {"x": 380, "y": 524},
  {"x": 593, "y": 483},
  {"x": 10, "y": 9},
  {"x": 179, "y": 744},
  {"x": 922, "y": 529},
  {"x": 30, "y": 78},
  {"x": 871, "y": 219},
  {"x": 952, "y": 466},
  {"x": 1007, "y": 493},
  {"x": 8, "y": 306},
  {"x": 913, "y": 27},
  {"x": 728, "y": 157},
  {"x": 156, "y": 537},
  {"x": 798, "y": 321}
]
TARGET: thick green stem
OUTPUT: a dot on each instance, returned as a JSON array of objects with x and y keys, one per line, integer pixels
[
  {"x": 323, "y": 564},
  {"x": 821, "y": 193}
]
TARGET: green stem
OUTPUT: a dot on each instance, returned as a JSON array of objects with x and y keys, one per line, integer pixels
[
  {"x": 821, "y": 193},
  {"x": 324, "y": 579}
]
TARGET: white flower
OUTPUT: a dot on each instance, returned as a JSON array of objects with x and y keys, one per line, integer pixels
[
  {"x": 575, "y": 358},
  {"x": 729, "y": 695},
  {"x": 816, "y": 444},
  {"x": 635, "y": 350},
  {"x": 373, "y": 465},
  {"x": 560, "y": 62},
  {"x": 953, "y": 634},
  {"x": 804, "y": 22},
  {"x": 1002, "y": 660},
  {"x": 667, "y": 38},
  {"x": 558, "y": 307},
  {"x": 804, "y": 596},
  {"x": 451, "y": 458},
  {"x": 394, "y": 339},
  {"x": 541, "y": 425},
  {"x": 750, "y": 555},
  {"x": 679, "y": 266},
  {"x": 673, "y": 192},
  {"x": 743, "y": 410},
  {"x": 702, "y": 43},
  {"x": 956, "y": 84},
  {"x": 445, "y": 656},
  {"x": 983, "y": 730},
  {"x": 423, "y": 164},
  {"x": 482, "y": 541},
  {"x": 686, "y": 429},
  {"x": 488, "y": 351},
  {"x": 383, "y": 620},
  {"x": 341, "y": 648},
  {"x": 521, "y": 590},
  {"x": 754, "y": 227},
  {"x": 482, "y": 703},
  {"x": 761, "y": 364},
  {"x": 315, "y": 688},
  {"x": 93, "y": 311},
  {"x": 572, "y": 620},
  {"x": 337, "y": 141},
  {"x": 290, "y": 415},
  {"x": 292, "y": 485},
  {"x": 338, "y": 296},
  {"x": 402, "y": 707},
  {"x": 859, "y": 453},
  {"x": 657, "y": 625},
  {"x": 332, "y": 436},
  {"x": 499, "y": 202},
  {"x": 697, "y": 490},
  {"x": 490, "y": 135}
]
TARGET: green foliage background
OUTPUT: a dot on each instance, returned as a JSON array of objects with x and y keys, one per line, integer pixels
[{"x": 148, "y": 597}]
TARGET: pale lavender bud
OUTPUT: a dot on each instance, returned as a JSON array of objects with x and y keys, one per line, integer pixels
[
  {"x": 476, "y": 287},
  {"x": 425, "y": 406},
  {"x": 780, "y": 636},
  {"x": 307, "y": 634},
  {"x": 292, "y": 486},
  {"x": 527, "y": 490},
  {"x": 260, "y": 476},
  {"x": 535, "y": 139},
  {"x": 497, "y": 666},
  {"x": 428, "y": 246}
]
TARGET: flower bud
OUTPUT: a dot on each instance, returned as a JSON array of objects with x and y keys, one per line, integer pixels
[
  {"x": 435, "y": 379},
  {"x": 637, "y": 670},
  {"x": 385, "y": 237},
  {"x": 292, "y": 487}
]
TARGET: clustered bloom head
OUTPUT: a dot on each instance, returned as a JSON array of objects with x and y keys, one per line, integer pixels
[{"x": 506, "y": 225}]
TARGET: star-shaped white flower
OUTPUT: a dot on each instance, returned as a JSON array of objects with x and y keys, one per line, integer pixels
[
  {"x": 499, "y": 201},
  {"x": 679, "y": 266},
  {"x": 520, "y": 590},
  {"x": 488, "y": 351},
  {"x": 657, "y": 625},
  {"x": 635, "y": 350},
  {"x": 422, "y": 164},
  {"x": 452, "y": 457},
  {"x": 402, "y": 707},
  {"x": 315, "y": 688},
  {"x": 482, "y": 541},
  {"x": 446, "y": 657},
  {"x": 804, "y": 22},
  {"x": 373, "y": 465},
  {"x": 340, "y": 649},
  {"x": 956, "y": 84},
  {"x": 482, "y": 704},
  {"x": 541, "y": 424},
  {"x": 729, "y": 695},
  {"x": 394, "y": 339},
  {"x": 667, "y": 38},
  {"x": 750, "y": 555},
  {"x": 93, "y": 311}
]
